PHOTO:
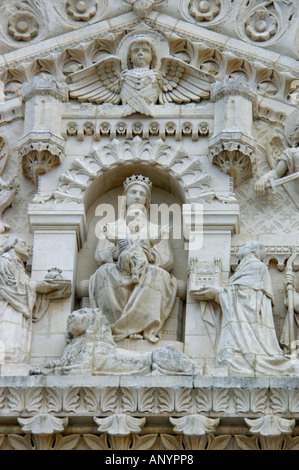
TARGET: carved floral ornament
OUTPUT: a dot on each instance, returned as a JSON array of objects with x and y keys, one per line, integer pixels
[
  {"x": 204, "y": 10},
  {"x": 261, "y": 25},
  {"x": 23, "y": 26},
  {"x": 81, "y": 10}
]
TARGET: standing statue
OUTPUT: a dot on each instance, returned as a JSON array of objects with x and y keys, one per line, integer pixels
[
  {"x": 133, "y": 286},
  {"x": 284, "y": 156},
  {"x": 143, "y": 82},
  {"x": 289, "y": 338},
  {"x": 21, "y": 300},
  {"x": 248, "y": 343}
]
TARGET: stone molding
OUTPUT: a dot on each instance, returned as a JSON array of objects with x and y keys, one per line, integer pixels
[
  {"x": 83, "y": 171},
  {"x": 202, "y": 51},
  {"x": 228, "y": 397}
]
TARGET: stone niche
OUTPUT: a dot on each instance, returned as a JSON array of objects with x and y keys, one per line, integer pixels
[{"x": 149, "y": 95}]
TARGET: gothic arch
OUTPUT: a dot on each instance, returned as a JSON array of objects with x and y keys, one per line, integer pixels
[{"x": 105, "y": 168}]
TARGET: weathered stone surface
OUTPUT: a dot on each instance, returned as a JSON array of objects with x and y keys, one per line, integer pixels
[{"x": 174, "y": 297}]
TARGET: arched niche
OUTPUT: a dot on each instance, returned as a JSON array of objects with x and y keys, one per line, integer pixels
[
  {"x": 115, "y": 177},
  {"x": 107, "y": 187},
  {"x": 89, "y": 176}
]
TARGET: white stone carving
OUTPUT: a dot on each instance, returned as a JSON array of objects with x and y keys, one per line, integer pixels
[
  {"x": 187, "y": 170},
  {"x": 143, "y": 7},
  {"x": 248, "y": 341},
  {"x": 135, "y": 304},
  {"x": 232, "y": 146},
  {"x": 8, "y": 191},
  {"x": 81, "y": 10},
  {"x": 283, "y": 157},
  {"x": 264, "y": 21},
  {"x": 194, "y": 425},
  {"x": 289, "y": 338},
  {"x": 144, "y": 82},
  {"x": 207, "y": 442},
  {"x": 23, "y": 26},
  {"x": 270, "y": 425},
  {"x": 204, "y": 10},
  {"x": 22, "y": 300},
  {"x": 9, "y": 188},
  {"x": 120, "y": 425},
  {"x": 91, "y": 350},
  {"x": 43, "y": 424}
]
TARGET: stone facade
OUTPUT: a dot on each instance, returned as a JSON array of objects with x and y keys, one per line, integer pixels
[{"x": 149, "y": 225}]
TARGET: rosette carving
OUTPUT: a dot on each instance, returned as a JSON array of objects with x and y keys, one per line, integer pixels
[
  {"x": 23, "y": 26},
  {"x": 81, "y": 10},
  {"x": 204, "y": 10},
  {"x": 261, "y": 25}
]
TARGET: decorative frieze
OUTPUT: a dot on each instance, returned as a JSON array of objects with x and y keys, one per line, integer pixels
[
  {"x": 74, "y": 183},
  {"x": 228, "y": 397},
  {"x": 23, "y": 26},
  {"x": 145, "y": 129},
  {"x": 272, "y": 80}
]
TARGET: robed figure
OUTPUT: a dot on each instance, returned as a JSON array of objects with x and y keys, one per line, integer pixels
[{"x": 133, "y": 285}]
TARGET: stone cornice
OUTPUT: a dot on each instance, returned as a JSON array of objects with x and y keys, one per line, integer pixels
[{"x": 225, "y": 397}]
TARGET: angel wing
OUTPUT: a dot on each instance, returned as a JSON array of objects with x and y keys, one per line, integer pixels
[
  {"x": 276, "y": 146},
  {"x": 97, "y": 83},
  {"x": 182, "y": 83}
]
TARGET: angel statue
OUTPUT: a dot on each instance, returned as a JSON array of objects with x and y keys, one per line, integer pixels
[
  {"x": 286, "y": 155},
  {"x": 143, "y": 83}
]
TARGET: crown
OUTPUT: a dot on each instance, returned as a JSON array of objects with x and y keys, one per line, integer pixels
[{"x": 140, "y": 179}]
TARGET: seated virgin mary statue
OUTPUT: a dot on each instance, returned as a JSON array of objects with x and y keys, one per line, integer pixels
[{"x": 133, "y": 286}]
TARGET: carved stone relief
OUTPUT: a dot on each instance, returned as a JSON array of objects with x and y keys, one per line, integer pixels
[
  {"x": 197, "y": 339},
  {"x": 264, "y": 21}
]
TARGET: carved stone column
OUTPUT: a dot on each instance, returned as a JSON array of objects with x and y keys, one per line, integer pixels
[
  {"x": 211, "y": 240},
  {"x": 232, "y": 145},
  {"x": 41, "y": 434},
  {"x": 58, "y": 235},
  {"x": 195, "y": 432},
  {"x": 41, "y": 147}
]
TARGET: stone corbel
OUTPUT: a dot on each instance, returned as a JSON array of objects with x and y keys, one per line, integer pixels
[
  {"x": 120, "y": 425},
  {"x": 271, "y": 430},
  {"x": 42, "y": 145},
  {"x": 42, "y": 428},
  {"x": 194, "y": 425},
  {"x": 121, "y": 431},
  {"x": 232, "y": 145}
]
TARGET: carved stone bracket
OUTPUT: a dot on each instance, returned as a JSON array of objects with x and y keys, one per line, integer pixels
[
  {"x": 232, "y": 146},
  {"x": 43, "y": 424},
  {"x": 233, "y": 156},
  {"x": 120, "y": 424},
  {"x": 84, "y": 170},
  {"x": 41, "y": 146},
  {"x": 113, "y": 128},
  {"x": 271, "y": 425},
  {"x": 194, "y": 425},
  {"x": 37, "y": 158}
]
